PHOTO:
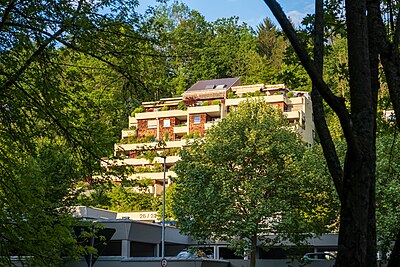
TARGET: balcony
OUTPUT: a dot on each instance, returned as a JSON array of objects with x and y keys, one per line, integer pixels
[
  {"x": 152, "y": 175},
  {"x": 127, "y": 133},
  {"x": 170, "y": 160},
  {"x": 180, "y": 114},
  {"x": 294, "y": 115},
  {"x": 295, "y": 101},
  {"x": 181, "y": 129},
  {"x": 132, "y": 121},
  {"x": 139, "y": 146},
  {"x": 268, "y": 99},
  {"x": 211, "y": 110}
]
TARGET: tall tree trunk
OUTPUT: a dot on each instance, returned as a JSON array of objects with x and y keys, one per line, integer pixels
[
  {"x": 321, "y": 126},
  {"x": 253, "y": 251},
  {"x": 373, "y": 42},
  {"x": 389, "y": 54},
  {"x": 360, "y": 160},
  {"x": 388, "y": 51},
  {"x": 394, "y": 260},
  {"x": 357, "y": 205}
]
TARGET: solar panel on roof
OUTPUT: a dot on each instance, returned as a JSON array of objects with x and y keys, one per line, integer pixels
[
  {"x": 210, "y": 86},
  {"x": 220, "y": 86}
]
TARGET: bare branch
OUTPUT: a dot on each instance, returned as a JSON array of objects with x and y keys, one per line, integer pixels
[
  {"x": 321, "y": 125},
  {"x": 6, "y": 13},
  {"x": 336, "y": 103}
]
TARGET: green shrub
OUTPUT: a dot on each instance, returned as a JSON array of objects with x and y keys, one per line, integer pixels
[
  {"x": 182, "y": 106},
  {"x": 164, "y": 108},
  {"x": 249, "y": 94},
  {"x": 257, "y": 93},
  {"x": 205, "y": 103},
  {"x": 216, "y": 102},
  {"x": 166, "y": 136},
  {"x": 134, "y": 140},
  {"x": 149, "y": 155},
  {"x": 232, "y": 95},
  {"x": 157, "y": 167},
  {"x": 137, "y": 110},
  {"x": 142, "y": 169},
  {"x": 174, "y": 151},
  {"x": 192, "y": 135},
  {"x": 146, "y": 139}
]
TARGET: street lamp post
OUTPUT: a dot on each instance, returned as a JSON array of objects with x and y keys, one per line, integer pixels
[{"x": 163, "y": 212}]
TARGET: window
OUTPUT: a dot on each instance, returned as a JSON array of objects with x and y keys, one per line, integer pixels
[
  {"x": 196, "y": 120},
  {"x": 152, "y": 124},
  {"x": 167, "y": 123}
]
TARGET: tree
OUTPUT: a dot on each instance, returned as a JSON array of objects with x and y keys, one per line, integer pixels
[
  {"x": 355, "y": 181},
  {"x": 187, "y": 49},
  {"x": 388, "y": 184},
  {"x": 47, "y": 140},
  {"x": 242, "y": 182},
  {"x": 36, "y": 189}
]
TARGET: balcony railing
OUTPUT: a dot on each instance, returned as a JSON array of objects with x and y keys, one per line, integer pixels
[
  {"x": 161, "y": 114},
  {"x": 139, "y": 161},
  {"x": 139, "y": 146},
  {"x": 268, "y": 99},
  {"x": 152, "y": 175},
  {"x": 127, "y": 133},
  {"x": 297, "y": 115},
  {"x": 211, "y": 110},
  {"x": 181, "y": 129}
]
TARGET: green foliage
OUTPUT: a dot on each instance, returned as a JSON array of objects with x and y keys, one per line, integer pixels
[
  {"x": 388, "y": 188},
  {"x": 169, "y": 199},
  {"x": 135, "y": 140},
  {"x": 191, "y": 135},
  {"x": 205, "y": 103},
  {"x": 166, "y": 136},
  {"x": 182, "y": 105},
  {"x": 137, "y": 110},
  {"x": 36, "y": 189},
  {"x": 146, "y": 139},
  {"x": 164, "y": 108},
  {"x": 198, "y": 50},
  {"x": 244, "y": 181},
  {"x": 232, "y": 95},
  {"x": 216, "y": 102},
  {"x": 124, "y": 199},
  {"x": 157, "y": 167},
  {"x": 149, "y": 155},
  {"x": 141, "y": 169},
  {"x": 174, "y": 151}
]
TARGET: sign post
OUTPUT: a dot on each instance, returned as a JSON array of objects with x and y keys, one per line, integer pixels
[
  {"x": 163, "y": 214},
  {"x": 164, "y": 262}
]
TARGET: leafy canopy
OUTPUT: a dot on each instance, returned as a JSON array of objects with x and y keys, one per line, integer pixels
[{"x": 243, "y": 181}]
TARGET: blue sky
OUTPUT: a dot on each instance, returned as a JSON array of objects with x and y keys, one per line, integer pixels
[{"x": 250, "y": 11}]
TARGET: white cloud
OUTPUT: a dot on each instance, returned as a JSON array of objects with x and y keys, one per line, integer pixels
[{"x": 296, "y": 16}]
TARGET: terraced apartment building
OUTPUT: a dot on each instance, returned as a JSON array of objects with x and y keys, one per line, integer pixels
[{"x": 161, "y": 128}]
